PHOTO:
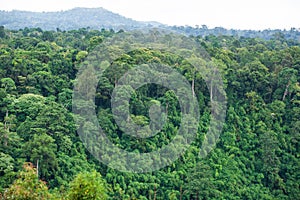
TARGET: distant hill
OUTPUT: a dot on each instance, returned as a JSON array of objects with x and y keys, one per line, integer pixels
[
  {"x": 98, "y": 18},
  {"x": 95, "y": 18},
  {"x": 292, "y": 34}
]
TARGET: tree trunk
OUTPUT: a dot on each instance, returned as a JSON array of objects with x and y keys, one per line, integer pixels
[
  {"x": 180, "y": 193},
  {"x": 37, "y": 168},
  {"x": 193, "y": 87},
  {"x": 154, "y": 196},
  {"x": 6, "y": 129},
  {"x": 286, "y": 91}
]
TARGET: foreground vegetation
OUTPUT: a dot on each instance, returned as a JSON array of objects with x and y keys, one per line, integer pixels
[{"x": 42, "y": 157}]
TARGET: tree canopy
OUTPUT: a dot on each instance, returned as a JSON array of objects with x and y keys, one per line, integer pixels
[{"x": 256, "y": 156}]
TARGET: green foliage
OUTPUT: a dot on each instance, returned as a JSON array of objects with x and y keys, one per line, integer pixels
[
  {"x": 81, "y": 55},
  {"x": 2, "y": 32},
  {"x": 88, "y": 185},
  {"x": 257, "y": 156},
  {"x": 42, "y": 150},
  {"x": 27, "y": 186}
]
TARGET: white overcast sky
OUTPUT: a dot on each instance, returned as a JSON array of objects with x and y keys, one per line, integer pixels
[{"x": 239, "y": 14}]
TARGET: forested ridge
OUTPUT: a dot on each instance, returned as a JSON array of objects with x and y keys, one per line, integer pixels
[
  {"x": 42, "y": 157},
  {"x": 97, "y": 18}
]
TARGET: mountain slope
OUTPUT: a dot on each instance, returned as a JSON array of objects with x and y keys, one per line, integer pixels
[
  {"x": 98, "y": 18},
  {"x": 95, "y": 18}
]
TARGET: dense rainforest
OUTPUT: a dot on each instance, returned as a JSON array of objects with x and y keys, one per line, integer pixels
[{"x": 42, "y": 156}]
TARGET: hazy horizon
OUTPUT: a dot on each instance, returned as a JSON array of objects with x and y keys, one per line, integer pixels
[{"x": 254, "y": 15}]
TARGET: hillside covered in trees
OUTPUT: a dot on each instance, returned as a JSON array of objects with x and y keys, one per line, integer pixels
[
  {"x": 97, "y": 18},
  {"x": 42, "y": 156}
]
